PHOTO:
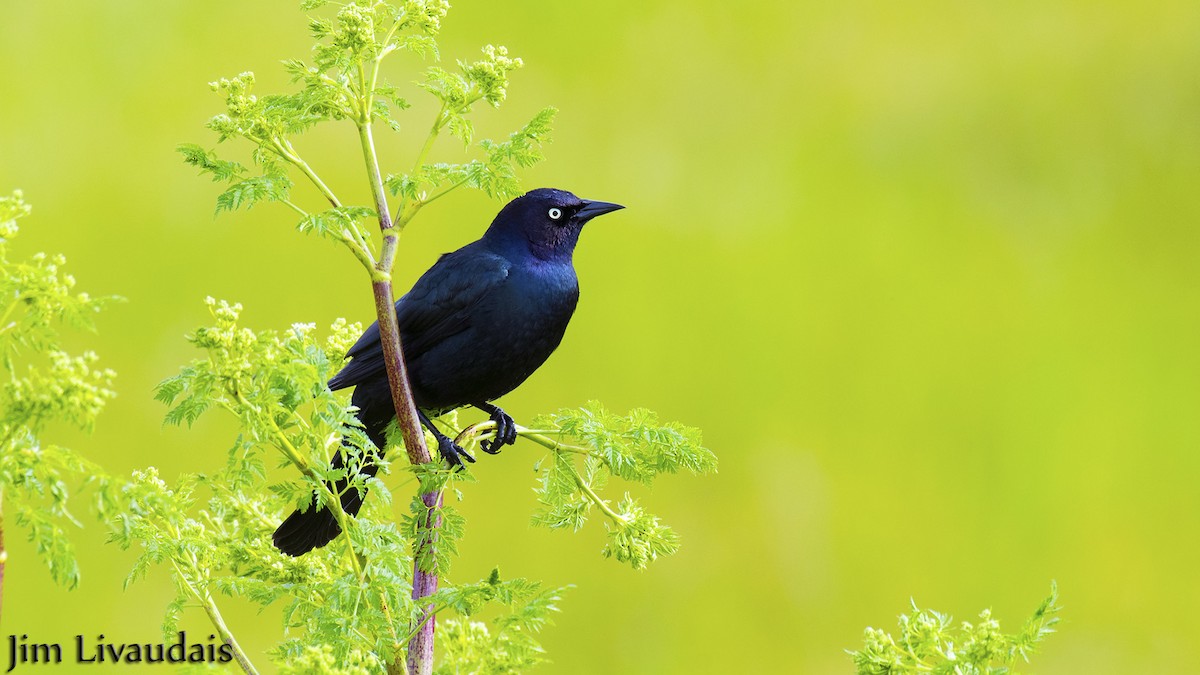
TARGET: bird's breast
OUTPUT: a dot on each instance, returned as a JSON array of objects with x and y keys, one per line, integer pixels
[
  {"x": 533, "y": 313},
  {"x": 511, "y": 334}
]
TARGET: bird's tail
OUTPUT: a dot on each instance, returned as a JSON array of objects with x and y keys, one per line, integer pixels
[{"x": 303, "y": 531}]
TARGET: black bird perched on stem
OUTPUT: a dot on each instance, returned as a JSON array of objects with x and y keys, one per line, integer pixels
[{"x": 473, "y": 328}]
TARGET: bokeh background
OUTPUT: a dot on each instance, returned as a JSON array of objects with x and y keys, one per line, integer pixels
[{"x": 924, "y": 272}]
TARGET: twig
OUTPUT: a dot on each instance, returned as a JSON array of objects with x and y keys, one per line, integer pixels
[
  {"x": 214, "y": 615},
  {"x": 482, "y": 430}
]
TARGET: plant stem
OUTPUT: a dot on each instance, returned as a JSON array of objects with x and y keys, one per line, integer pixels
[
  {"x": 427, "y": 146},
  {"x": 402, "y": 397},
  {"x": 547, "y": 442},
  {"x": 239, "y": 655},
  {"x": 595, "y": 498},
  {"x": 425, "y": 583},
  {"x": 444, "y": 192},
  {"x": 210, "y": 606},
  {"x": 284, "y": 149},
  {"x": 406, "y": 211},
  {"x": 557, "y": 447},
  {"x": 214, "y": 615},
  {"x": 387, "y": 256},
  {"x": 360, "y": 251},
  {"x": 351, "y": 238}
]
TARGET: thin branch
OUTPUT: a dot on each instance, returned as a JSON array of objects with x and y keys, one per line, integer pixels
[
  {"x": 422, "y": 623},
  {"x": 406, "y": 211},
  {"x": 443, "y": 193},
  {"x": 292, "y": 206},
  {"x": 352, "y": 238},
  {"x": 360, "y": 251},
  {"x": 285, "y": 150},
  {"x": 438, "y": 122},
  {"x": 595, "y": 498},
  {"x": 333, "y": 501},
  {"x": 486, "y": 429},
  {"x": 552, "y": 444},
  {"x": 363, "y": 241},
  {"x": 388, "y": 48},
  {"x": 214, "y": 615},
  {"x": 387, "y": 255}
]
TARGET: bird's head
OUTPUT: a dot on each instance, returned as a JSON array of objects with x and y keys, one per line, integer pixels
[{"x": 547, "y": 220}]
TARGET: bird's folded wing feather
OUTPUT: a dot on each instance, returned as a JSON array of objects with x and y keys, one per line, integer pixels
[{"x": 438, "y": 306}]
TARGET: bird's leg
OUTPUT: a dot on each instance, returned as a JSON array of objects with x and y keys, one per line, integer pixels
[
  {"x": 447, "y": 448},
  {"x": 506, "y": 429}
]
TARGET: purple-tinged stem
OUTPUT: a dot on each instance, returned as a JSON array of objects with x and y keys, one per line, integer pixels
[
  {"x": 420, "y": 647},
  {"x": 425, "y": 584}
]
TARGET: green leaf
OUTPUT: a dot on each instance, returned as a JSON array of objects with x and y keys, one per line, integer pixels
[
  {"x": 336, "y": 223},
  {"x": 207, "y": 161},
  {"x": 635, "y": 446},
  {"x": 250, "y": 191},
  {"x": 561, "y": 503}
]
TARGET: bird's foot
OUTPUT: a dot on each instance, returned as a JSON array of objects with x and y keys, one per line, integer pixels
[
  {"x": 506, "y": 432},
  {"x": 452, "y": 453}
]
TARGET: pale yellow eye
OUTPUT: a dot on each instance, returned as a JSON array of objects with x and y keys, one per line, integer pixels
[{"x": 555, "y": 214}]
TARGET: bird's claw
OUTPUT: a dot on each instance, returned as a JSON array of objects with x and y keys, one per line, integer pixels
[
  {"x": 453, "y": 453},
  {"x": 506, "y": 433}
]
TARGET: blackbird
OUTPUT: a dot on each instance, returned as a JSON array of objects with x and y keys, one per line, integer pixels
[{"x": 473, "y": 328}]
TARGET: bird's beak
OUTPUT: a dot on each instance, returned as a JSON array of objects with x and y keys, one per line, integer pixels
[{"x": 592, "y": 209}]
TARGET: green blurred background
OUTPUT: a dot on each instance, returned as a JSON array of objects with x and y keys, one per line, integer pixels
[{"x": 924, "y": 272}]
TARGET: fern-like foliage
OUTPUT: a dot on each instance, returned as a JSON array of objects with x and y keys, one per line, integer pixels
[
  {"x": 589, "y": 445},
  {"x": 42, "y": 383},
  {"x": 348, "y": 606},
  {"x": 343, "y": 82},
  {"x": 930, "y": 642}
]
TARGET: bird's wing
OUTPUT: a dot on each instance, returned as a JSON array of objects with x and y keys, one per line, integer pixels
[{"x": 438, "y": 306}]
